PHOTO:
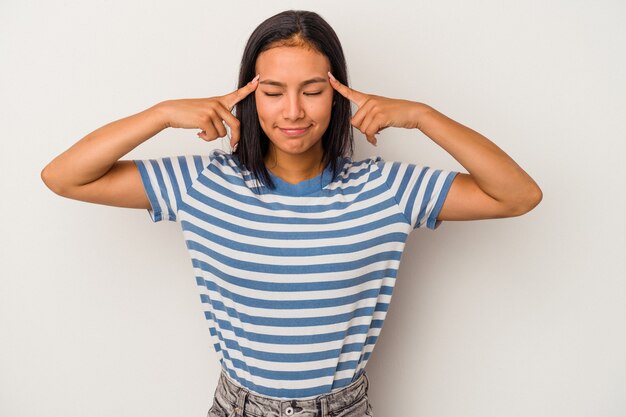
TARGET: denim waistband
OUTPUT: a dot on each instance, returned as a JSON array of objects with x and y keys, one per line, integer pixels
[{"x": 237, "y": 401}]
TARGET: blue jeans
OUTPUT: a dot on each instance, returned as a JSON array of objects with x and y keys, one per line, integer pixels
[{"x": 232, "y": 400}]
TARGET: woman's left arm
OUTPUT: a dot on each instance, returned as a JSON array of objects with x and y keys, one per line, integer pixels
[{"x": 495, "y": 186}]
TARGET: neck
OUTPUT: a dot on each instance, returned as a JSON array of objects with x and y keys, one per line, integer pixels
[{"x": 294, "y": 168}]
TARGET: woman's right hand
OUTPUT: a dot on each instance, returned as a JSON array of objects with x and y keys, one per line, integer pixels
[
  {"x": 91, "y": 169},
  {"x": 208, "y": 114}
]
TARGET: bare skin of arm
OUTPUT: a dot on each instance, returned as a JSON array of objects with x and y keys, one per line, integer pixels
[
  {"x": 91, "y": 169},
  {"x": 495, "y": 186}
]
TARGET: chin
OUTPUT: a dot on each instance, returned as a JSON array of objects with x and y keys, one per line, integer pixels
[
  {"x": 295, "y": 146},
  {"x": 295, "y": 150}
]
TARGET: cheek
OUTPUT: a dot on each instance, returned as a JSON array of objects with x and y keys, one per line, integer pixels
[
  {"x": 321, "y": 109},
  {"x": 263, "y": 108}
]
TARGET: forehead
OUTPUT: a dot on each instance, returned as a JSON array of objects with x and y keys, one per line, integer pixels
[{"x": 291, "y": 63}]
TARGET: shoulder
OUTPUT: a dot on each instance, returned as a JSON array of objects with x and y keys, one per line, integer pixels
[
  {"x": 355, "y": 173},
  {"x": 226, "y": 163},
  {"x": 226, "y": 169},
  {"x": 350, "y": 167},
  {"x": 193, "y": 167},
  {"x": 371, "y": 167}
]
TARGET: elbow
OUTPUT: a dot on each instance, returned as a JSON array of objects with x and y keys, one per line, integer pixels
[
  {"x": 51, "y": 180},
  {"x": 528, "y": 200},
  {"x": 47, "y": 178}
]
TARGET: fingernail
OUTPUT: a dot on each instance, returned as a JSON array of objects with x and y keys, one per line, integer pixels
[
  {"x": 331, "y": 76},
  {"x": 255, "y": 79}
]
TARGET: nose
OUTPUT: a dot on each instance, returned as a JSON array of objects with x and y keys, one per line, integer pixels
[{"x": 293, "y": 109}]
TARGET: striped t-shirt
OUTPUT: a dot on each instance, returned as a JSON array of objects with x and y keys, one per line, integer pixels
[{"x": 296, "y": 280}]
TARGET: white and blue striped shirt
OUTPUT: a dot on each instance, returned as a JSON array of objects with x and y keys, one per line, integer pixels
[{"x": 296, "y": 281}]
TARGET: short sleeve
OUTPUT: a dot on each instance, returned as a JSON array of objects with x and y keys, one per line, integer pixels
[
  {"x": 419, "y": 191},
  {"x": 166, "y": 181}
]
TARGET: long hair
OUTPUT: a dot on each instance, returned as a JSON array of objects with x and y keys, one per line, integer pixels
[{"x": 293, "y": 28}]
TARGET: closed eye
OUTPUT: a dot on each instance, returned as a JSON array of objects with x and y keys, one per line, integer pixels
[{"x": 316, "y": 93}]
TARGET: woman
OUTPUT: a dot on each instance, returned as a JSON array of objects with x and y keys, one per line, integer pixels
[{"x": 295, "y": 246}]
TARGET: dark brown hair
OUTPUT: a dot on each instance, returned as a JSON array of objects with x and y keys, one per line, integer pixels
[{"x": 293, "y": 28}]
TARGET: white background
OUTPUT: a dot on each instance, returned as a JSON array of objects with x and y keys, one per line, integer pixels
[{"x": 99, "y": 313}]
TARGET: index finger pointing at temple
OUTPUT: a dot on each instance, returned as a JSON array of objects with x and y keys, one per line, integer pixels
[
  {"x": 354, "y": 96},
  {"x": 236, "y": 96}
]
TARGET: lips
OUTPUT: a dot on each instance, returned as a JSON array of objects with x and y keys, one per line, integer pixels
[{"x": 294, "y": 131}]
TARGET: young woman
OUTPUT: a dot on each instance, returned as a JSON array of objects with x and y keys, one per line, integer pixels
[{"x": 295, "y": 246}]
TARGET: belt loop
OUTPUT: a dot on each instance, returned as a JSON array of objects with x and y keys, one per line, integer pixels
[
  {"x": 324, "y": 407},
  {"x": 241, "y": 402}
]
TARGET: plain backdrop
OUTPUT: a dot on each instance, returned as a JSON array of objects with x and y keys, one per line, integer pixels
[{"x": 99, "y": 313}]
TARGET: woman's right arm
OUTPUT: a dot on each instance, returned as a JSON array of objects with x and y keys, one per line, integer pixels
[{"x": 91, "y": 169}]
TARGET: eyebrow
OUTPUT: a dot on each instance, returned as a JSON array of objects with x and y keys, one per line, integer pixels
[{"x": 302, "y": 84}]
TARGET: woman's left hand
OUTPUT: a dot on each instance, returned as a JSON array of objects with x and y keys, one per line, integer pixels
[
  {"x": 495, "y": 186},
  {"x": 376, "y": 113}
]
